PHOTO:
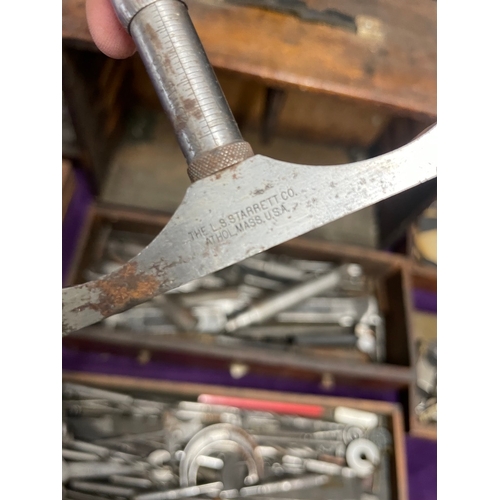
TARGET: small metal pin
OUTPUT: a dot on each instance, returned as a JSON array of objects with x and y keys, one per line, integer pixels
[
  {"x": 210, "y": 462},
  {"x": 189, "y": 491},
  {"x": 105, "y": 489},
  {"x": 96, "y": 470},
  {"x": 284, "y": 300},
  {"x": 158, "y": 458},
  {"x": 285, "y": 485},
  {"x": 79, "y": 456},
  {"x": 133, "y": 482}
]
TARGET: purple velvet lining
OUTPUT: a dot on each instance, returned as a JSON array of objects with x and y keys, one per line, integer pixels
[
  {"x": 421, "y": 459},
  {"x": 425, "y": 301}
]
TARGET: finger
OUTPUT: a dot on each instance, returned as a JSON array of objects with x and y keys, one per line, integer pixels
[{"x": 107, "y": 32}]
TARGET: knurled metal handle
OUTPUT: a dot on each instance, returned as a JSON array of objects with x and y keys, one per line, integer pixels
[{"x": 185, "y": 83}]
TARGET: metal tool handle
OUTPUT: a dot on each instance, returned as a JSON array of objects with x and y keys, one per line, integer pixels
[{"x": 185, "y": 83}]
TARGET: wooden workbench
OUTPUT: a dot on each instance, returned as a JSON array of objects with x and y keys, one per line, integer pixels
[{"x": 390, "y": 61}]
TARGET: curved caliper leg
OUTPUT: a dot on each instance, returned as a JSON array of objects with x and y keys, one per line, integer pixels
[{"x": 240, "y": 204}]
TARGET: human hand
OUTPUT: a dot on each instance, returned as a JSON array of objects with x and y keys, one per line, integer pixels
[{"x": 107, "y": 32}]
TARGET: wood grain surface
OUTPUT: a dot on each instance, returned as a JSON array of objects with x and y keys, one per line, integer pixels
[{"x": 390, "y": 61}]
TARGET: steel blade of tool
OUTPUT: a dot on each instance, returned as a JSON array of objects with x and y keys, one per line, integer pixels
[{"x": 244, "y": 210}]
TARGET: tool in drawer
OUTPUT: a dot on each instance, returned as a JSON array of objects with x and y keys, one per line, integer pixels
[
  {"x": 269, "y": 300},
  {"x": 240, "y": 204},
  {"x": 426, "y": 368},
  {"x": 221, "y": 447}
]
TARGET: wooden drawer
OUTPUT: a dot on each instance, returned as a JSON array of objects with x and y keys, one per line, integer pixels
[
  {"x": 397, "y": 489},
  {"x": 195, "y": 349}
]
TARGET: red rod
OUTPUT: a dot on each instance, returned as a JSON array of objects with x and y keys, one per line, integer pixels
[{"x": 263, "y": 405}]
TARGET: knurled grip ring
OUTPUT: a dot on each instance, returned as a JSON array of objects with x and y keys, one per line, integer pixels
[{"x": 210, "y": 162}]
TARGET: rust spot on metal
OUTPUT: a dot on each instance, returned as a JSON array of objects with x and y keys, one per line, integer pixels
[
  {"x": 126, "y": 288},
  {"x": 168, "y": 64},
  {"x": 192, "y": 108},
  {"x": 311, "y": 203},
  {"x": 153, "y": 36},
  {"x": 263, "y": 190},
  {"x": 234, "y": 169}
]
